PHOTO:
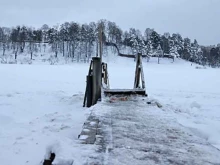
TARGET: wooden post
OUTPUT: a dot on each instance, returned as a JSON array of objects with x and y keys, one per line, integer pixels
[
  {"x": 97, "y": 80},
  {"x": 105, "y": 75},
  {"x": 89, "y": 91},
  {"x": 100, "y": 42},
  {"x": 142, "y": 74},
  {"x": 97, "y": 47},
  {"x": 138, "y": 78},
  {"x": 50, "y": 160},
  {"x": 139, "y": 73}
]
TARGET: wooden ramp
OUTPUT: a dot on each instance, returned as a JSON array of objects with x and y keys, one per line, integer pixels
[
  {"x": 139, "y": 82},
  {"x": 98, "y": 81},
  {"x": 109, "y": 92}
]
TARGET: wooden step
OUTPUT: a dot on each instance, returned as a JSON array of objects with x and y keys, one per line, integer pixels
[{"x": 125, "y": 92}]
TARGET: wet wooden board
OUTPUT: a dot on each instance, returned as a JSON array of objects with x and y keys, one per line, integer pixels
[{"x": 89, "y": 131}]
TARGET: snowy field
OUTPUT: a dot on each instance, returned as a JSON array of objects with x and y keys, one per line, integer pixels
[{"x": 41, "y": 105}]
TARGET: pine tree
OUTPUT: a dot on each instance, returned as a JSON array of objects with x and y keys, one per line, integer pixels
[
  {"x": 165, "y": 45},
  {"x": 187, "y": 49},
  {"x": 178, "y": 42},
  {"x": 148, "y": 33},
  {"x": 155, "y": 40}
]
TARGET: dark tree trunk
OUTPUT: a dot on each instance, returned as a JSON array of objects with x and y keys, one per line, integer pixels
[
  {"x": 67, "y": 48},
  {"x": 97, "y": 48},
  {"x": 40, "y": 47},
  {"x": 56, "y": 50},
  {"x": 86, "y": 55},
  {"x": 16, "y": 55},
  {"x": 73, "y": 51},
  {"x": 44, "y": 47},
  {"x": 63, "y": 48},
  {"x": 3, "y": 49}
]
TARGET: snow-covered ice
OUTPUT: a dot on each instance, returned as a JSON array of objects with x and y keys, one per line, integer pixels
[{"x": 41, "y": 106}]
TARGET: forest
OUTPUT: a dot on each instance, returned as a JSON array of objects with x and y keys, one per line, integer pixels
[{"x": 80, "y": 41}]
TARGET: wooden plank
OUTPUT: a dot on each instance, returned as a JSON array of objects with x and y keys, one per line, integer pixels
[
  {"x": 97, "y": 80},
  {"x": 89, "y": 91},
  {"x": 89, "y": 132},
  {"x": 124, "y": 92},
  {"x": 130, "y": 55},
  {"x": 86, "y": 91}
]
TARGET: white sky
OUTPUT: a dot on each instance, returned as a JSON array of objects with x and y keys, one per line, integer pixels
[{"x": 198, "y": 19}]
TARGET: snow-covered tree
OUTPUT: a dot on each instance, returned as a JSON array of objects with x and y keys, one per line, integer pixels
[
  {"x": 76, "y": 40},
  {"x": 187, "y": 49},
  {"x": 194, "y": 57},
  {"x": 165, "y": 45},
  {"x": 155, "y": 39},
  {"x": 148, "y": 33}
]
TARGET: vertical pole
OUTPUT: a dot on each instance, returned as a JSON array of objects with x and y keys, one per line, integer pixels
[
  {"x": 89, "y": 91},
  {"x": 142, "y": 73},
  {"x": 136, "y": 79},
  {"x": 4, "y": 47},
  {"x": 100, "y": 43},
  {"x": 97, "y": 79},
  {"x": 97, "y": 47},
  {"x": 139, "y": 70}
]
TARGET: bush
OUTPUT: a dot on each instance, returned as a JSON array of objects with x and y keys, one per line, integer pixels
[{"x": 53, "y": 60}]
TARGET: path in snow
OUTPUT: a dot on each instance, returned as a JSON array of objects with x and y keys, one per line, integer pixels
[{"x": 138, "y": 133}]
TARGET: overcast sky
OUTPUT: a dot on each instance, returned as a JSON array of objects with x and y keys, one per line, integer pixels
[{"x": 198, "y": 19}]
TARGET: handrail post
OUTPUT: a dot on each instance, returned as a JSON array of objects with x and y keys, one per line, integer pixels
[
  {"x": 89, "y": 91},
  {"x": 97, "y": 80}
]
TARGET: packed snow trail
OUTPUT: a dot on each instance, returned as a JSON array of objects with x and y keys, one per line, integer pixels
[{"x": 136, "y": 132}]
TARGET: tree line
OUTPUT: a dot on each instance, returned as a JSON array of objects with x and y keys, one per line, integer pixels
[{"x": 74, "y": 40}]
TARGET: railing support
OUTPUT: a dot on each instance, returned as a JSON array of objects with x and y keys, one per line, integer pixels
[{"x": 97, "y": 80}]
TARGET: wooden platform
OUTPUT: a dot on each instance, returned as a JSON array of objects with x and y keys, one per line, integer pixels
[
  {"x": 89, "y": 132},
  {"x": 125, "y": 92}
]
